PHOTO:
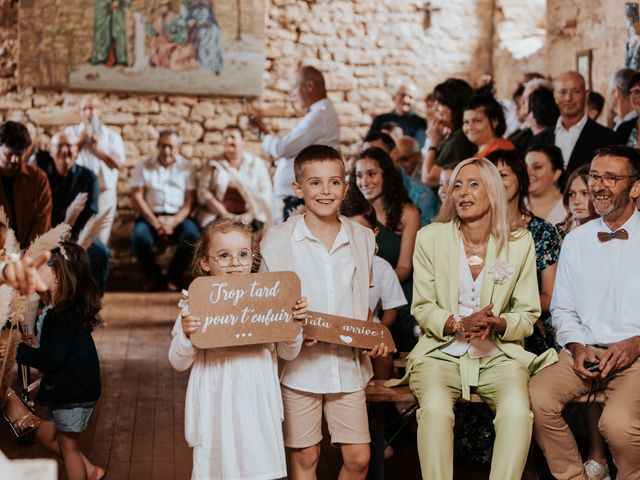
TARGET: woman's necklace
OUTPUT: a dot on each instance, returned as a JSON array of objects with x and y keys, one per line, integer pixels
[{"x": 474, "y": 260}]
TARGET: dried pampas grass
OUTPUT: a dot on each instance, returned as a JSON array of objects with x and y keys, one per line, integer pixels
[
  {"x": 48, "y": 241},
  {"x": 93, "y": 228}
]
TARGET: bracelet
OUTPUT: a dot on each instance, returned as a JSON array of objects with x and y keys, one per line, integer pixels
[{"x": 457, "y": 324}]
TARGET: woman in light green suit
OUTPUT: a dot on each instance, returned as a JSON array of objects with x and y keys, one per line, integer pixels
[{"x": 475, "y": 297}]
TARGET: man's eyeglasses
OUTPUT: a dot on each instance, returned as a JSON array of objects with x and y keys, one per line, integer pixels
[
  {"x": 244, "y": 258},
  {"x": 608, "y": 179},
  {"x": 635, "y": 92}
]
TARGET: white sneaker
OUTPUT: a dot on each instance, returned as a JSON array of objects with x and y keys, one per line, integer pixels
[{"x": 595, "y": 471}]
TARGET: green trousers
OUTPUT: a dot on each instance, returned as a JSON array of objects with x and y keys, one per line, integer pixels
[{"x": 501, "y": 382}]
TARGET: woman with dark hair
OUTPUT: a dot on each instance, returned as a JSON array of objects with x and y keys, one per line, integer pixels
[
  {"x": 577, "y": 201},
  {"x": 483, "y": 124},
  {"x": 447, "y": 142},
  {"x": 542, "y": 117},
  {"x": 545, "y": 167},
  {"x": 546, "y": 239},
  {"x": 380, "y": 182}
]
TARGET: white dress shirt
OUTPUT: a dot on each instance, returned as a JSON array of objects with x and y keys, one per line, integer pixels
[
  {"x": 386, "y": 292},
  {"x": 327, "y": 281},
  {"x": 164, "y": 187},
  {"x": 596, "y": 294},
  {"x": 109, "y": 141},
  {"x": 469, "y": 302},
  {"x": 629, "y": 116},
  {"x": 320, "y": 125},
  {"x": 566, "y": 139}
]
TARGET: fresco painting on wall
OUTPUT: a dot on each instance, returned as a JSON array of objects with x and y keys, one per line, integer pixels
[{"x": 203, "y": 47}]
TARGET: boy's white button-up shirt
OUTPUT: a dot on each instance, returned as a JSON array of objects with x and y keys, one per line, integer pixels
[{"x": 327, "y": 282}]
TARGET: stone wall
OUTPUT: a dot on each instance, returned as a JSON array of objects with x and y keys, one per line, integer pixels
[{"x": 363, "y": 46}]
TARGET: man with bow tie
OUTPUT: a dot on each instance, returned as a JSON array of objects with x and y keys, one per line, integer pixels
[{"x": 596, "y": 311}]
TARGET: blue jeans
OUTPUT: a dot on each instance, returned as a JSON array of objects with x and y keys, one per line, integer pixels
[
  {"x": 99, "y": 255},
  {"x": 144, "y": 237}
]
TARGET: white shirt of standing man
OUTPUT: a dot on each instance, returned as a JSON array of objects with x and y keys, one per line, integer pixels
[
  {"x": 101, "y": 150},
  {"x": 320, "y": 126}
]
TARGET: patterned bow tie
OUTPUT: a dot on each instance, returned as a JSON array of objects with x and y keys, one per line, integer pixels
[{"x": 621, "y": 234}]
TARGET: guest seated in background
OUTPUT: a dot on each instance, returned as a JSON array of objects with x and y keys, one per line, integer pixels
[
  {"x": 448, "y": 144},
  {"x": 163, "y": 192},
  {"x": 545, "y": 168},
  {"x": 444, "y": 182},
  {"x": 380, "y": 182},
  {"x": 238, "y": 186},
  {"x": 546, "y": 241},
  {"x": 577, "y": 201},
  {"x": 24, "y": 190},
  {"x": 407, "y": 157},
  {"x": 628, "y": 130},
  {"x": 595, "y": 311},
  {"x": 67, "y": 180},
  {"x": 475, "y": 301},
  {"x": 422, "y": 196},
  {"x": 595, "y": 105},
  {"x": 619, "y": 97},
  {"x": 483, "y": 124},
  {"x": 577, "y": 136},
  {"x": 542, "y": 118},
  {"x": 392, "y": 129},
  {"x": 403, "y": 114}
]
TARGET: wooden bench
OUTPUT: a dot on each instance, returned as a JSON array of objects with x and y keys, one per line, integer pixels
[{"x": 378, "y": 395}]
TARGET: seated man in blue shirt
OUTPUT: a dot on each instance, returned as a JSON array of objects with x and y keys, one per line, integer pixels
[{"x": 67, "y": 180}]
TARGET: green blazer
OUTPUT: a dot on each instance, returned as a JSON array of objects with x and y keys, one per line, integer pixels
[{"x": 435, "y": 293}]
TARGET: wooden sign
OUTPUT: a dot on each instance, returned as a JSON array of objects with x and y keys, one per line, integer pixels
[
  {"x": 244, "y": 309},
  {"x": 346, "y": 331}
]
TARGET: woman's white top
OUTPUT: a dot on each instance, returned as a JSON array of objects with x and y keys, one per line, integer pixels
[
  {"x": 469, "y": 302},
  {"x": 233, "y": 406}
]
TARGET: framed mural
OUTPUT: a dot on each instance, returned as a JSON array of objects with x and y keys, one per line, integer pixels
[{"x": 200, "y": 47}]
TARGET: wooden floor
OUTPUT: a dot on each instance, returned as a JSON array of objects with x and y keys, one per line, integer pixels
[{"x": 137, "y": 428}]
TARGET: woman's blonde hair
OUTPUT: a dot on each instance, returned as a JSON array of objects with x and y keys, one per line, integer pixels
[
  {"x": 499, "y": 210},
  {"x": 223, "y": 225}
]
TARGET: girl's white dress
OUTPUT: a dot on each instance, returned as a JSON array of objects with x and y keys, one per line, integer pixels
[{"x": 233, "y": 408}]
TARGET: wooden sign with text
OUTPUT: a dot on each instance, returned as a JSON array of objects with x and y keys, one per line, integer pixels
[
  {"x": 346, "y": 331},
  {"x": 244, "y": 309}
]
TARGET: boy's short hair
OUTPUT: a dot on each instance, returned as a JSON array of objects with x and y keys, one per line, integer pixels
[
  {"x": 316, "y": 153},
  {"x": 358, "y": 205}
]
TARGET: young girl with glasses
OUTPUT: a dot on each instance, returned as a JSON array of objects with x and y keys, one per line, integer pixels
[{"x": 233, "y": 409}]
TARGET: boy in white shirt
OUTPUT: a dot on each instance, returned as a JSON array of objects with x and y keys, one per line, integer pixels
[{"x": 332, "y": 256}]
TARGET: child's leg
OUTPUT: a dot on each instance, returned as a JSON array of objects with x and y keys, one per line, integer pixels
[
  {"x": 355, "y": 458},
  {"x": 46, "y": 435},
  {"x": 302, "y": 430},
  {"x": 73, "y": 462},
  {"x": 304, "y": 462},
  {"x": 346, "y": 415}
]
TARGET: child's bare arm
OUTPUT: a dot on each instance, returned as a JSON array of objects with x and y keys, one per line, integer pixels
[{"x": 389, "y": 317}]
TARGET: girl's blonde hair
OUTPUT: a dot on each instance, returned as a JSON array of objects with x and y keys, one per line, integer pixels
[
  {"x": 499, "y": 206},
  {"x": 223, "y": 225}
]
